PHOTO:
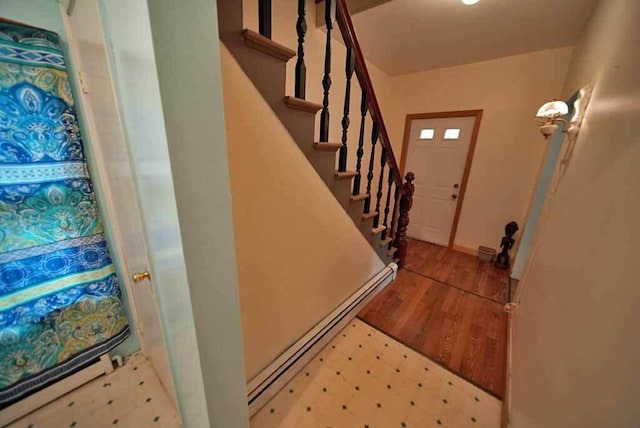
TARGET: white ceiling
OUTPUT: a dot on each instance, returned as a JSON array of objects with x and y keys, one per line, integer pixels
[{"x": 404, "y": 36}]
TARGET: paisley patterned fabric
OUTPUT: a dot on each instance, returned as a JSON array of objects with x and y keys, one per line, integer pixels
[{"x": 60, "y": 303}]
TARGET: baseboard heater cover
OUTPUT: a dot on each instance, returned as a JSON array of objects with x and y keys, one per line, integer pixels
[
  {"x": 56, "y": 390},
  {"x": 269, "y": 381}
]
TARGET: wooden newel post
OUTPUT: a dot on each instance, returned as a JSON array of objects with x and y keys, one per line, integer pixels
[{"x": 406, "y": 200}]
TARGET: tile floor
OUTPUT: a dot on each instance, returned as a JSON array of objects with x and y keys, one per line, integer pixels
[
  {"x": 130, "y": 397},
  {"x": 364, "y": 378}
]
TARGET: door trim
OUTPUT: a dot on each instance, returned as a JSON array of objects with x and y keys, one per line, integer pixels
[{"x": 467, "y": 166}]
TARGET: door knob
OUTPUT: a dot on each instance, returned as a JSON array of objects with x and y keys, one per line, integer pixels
[
  {"x": 139, "y": 276},
  {"x": 454, "y": 196},
  {"x": 455, "y": 186}
]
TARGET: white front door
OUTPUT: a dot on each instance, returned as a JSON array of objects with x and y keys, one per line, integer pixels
[{"x": 437, "y": 155}]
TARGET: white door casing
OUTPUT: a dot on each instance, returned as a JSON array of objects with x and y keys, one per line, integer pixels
[
  {"x": 438, "y": 164},
  {"x": 127, "y": 29},
  {"x": 113, "y": 177}
]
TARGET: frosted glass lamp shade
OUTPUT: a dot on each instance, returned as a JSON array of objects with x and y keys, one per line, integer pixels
[{"x": 553, "y": 109}]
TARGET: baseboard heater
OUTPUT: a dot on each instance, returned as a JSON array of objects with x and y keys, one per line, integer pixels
[
  {"x": 56, "y": 390},
  {"x": 269, "y": 381}
]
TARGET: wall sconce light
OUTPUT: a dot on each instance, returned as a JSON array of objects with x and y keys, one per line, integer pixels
[{"x": 549, "y": 116}]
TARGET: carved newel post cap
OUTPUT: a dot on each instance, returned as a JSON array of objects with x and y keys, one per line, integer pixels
[{"x": 410, "y": 177}]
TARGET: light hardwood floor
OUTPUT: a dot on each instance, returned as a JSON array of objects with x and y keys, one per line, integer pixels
[
  {"x": 463, "y": 331},
  {"x": 457, "y": 269}
]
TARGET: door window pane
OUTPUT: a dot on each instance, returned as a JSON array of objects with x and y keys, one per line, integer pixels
[
  {"x": 451, "y": 134},
  {"x": 427, "y": 134}
]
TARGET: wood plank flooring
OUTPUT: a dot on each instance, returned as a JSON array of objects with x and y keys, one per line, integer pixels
[
  {"x": 458, "y": 269},
  {"x": 465, "y": 332}
]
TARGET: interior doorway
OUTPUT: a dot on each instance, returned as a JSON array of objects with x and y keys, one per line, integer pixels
[
  {"x": 72, "y": 262},
  {"x": 438, "y": 148}
]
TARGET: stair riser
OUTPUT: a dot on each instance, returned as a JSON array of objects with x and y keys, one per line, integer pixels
[
  {"x": 323, "y": 162},
  {"x": 364, "y": 226},
  {"x": 301, "y": 125},
  {"x": 269, "y": 76},
  {"x": 341, "y": 189},
  {"x": 267, "y": 73},
  {"x": 385, "y": 258}
]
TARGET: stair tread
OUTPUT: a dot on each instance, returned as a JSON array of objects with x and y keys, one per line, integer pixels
[
  {"x": 378, "y": 229},
  {"x": 281, "y": 54},
  {"x": 359, "y": 197},
  {"x": 267, "y": 46},
  {"x": 345, "y": 174},
  {"x": 327, "y": 147},
  {"x": 369, "y": 216},
  {"x": 302, "y": 105}
]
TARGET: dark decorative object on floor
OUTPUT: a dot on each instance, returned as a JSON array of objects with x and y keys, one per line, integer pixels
[{"x": 503, "y": 259}]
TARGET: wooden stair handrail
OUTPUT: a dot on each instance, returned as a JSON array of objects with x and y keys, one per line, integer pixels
[{"x": 351, "y": 41}]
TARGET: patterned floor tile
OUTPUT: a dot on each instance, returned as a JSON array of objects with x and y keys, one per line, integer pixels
[
  {"x": 364, "y": 378},
  {"x": 130, "y": 397}
]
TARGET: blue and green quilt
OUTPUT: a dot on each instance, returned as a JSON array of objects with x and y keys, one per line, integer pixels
[{"x": 60, "y": 303}]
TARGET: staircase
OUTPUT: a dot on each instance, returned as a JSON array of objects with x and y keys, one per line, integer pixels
[{"x": 373, "y": 193}]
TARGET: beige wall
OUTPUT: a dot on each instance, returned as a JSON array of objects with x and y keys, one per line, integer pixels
[
  {"x": 509, "y": 147},
  {"x": 576, "y": 349},
  {"x": 299, "y": 254},
  {"x": 509, "y": 90}
]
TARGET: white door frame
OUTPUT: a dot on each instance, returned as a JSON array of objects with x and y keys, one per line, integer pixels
[
  {"x": 467, "y": 167},
  {"x": 125, "y": 256}
]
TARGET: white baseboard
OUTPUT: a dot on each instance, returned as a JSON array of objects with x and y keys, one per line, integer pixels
[
  {"x": 269, "y": 381},
  {"x": 466, "y": 250},
  {"x": 56, "y": 390}
]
